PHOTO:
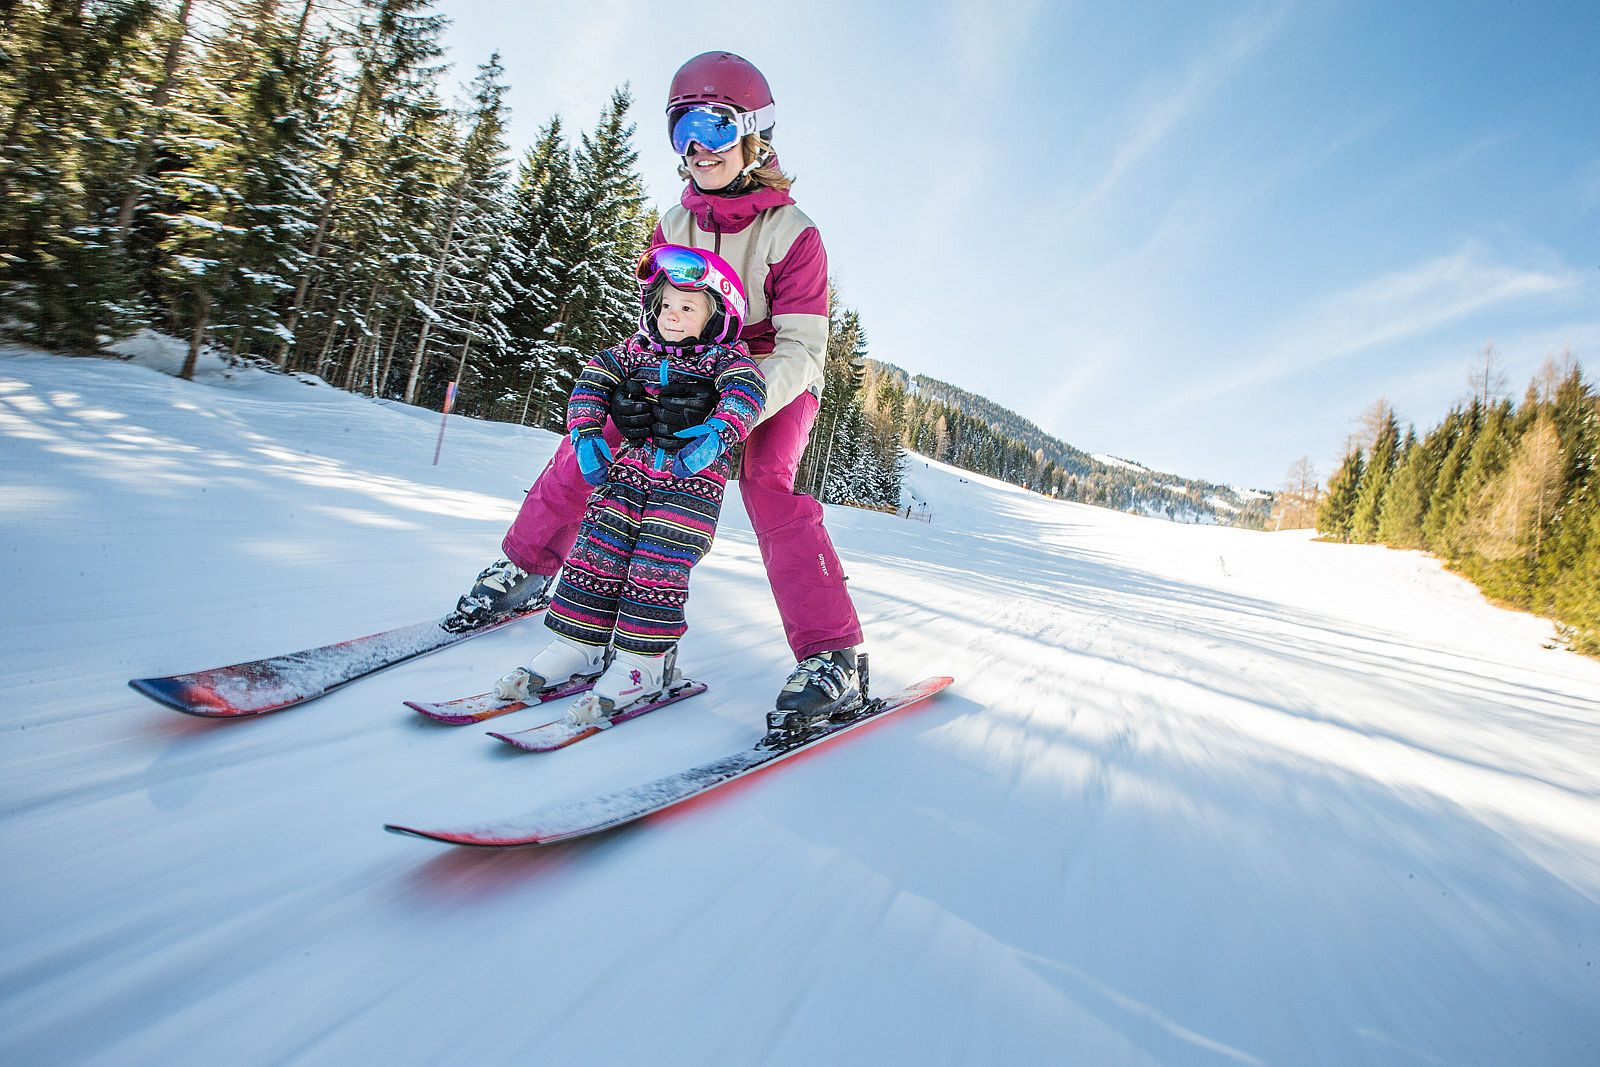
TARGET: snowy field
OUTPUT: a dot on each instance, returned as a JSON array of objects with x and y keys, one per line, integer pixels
[{"x": 1198, "y": 796}]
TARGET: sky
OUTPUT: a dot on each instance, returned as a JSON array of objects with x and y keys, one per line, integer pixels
[{"x": 1204, "y": 237}]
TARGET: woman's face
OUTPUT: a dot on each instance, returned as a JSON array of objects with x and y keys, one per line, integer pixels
[
  {"x": 682, "y": 314},
  {"x": 715, "y": 170}
]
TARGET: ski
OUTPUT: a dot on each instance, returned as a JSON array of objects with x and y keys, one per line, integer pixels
[
  {"x": 564, "y": 732},
  {"x": 584, "y": 817},
  {"x": 468, "y": 710},
  {"x": 278, "y": 682}
]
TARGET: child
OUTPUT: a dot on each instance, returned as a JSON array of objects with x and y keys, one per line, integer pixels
[{"x": 654, "y": 511}]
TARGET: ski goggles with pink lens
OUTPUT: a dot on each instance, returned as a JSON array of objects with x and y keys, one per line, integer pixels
[
  {"x": 686, "y": 268},
  {"x": 716, "y": 129}
]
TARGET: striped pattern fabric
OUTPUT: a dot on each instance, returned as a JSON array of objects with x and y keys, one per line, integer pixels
[{"x": 626, "y": 579}]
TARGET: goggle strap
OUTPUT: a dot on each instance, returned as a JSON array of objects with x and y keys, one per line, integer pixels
[{"x": 756, "y": 121}]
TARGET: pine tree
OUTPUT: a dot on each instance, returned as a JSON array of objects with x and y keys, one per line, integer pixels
[
  {"x": 1375, "y": 480},
  {"x": 1448, "y": 482},
  {"x": 1575, "y": 411},
  {"x": 1490, "y": 450},
  {"x": 1335, "y": 516},
  {"x": 462, "y": 243},
  {"x": 67, "y": 121},
  {"x": 393, "y": 45},
  {"x": 1406, "y": 499},
  {"x": 612, "y": 227},
  {"x": 543, "y": 228},
  {"x": 230, "y": 197}
]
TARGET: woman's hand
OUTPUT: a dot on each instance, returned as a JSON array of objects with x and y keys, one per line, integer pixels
[
  {"x": 682, "y": 403},
  {"x": 633, "y": 411}
]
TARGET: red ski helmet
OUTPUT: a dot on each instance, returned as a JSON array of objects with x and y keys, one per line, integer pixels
[{"x": 724, "y": 80}]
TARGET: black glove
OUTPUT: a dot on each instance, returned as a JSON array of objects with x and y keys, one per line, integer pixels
[
  {"x": 632, "y": 411},
  {"x": 682, "y": 403}
]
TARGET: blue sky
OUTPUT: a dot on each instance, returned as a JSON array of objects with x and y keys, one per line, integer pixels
[{"x": 1203, "y": 236}]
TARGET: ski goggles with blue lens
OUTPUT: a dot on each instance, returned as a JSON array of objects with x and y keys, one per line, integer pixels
[{"x": 716, "y": 129}]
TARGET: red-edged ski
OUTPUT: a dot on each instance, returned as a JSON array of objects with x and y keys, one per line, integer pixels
[
  {"x": 564, "y": 732},
  {"x": 591, "y": 816},
  {"x": 468, "y": 710},
  {"x": 279, "y": 682}
]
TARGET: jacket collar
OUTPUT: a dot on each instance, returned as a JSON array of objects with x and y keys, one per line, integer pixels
[{"x": 730, "y": 214}]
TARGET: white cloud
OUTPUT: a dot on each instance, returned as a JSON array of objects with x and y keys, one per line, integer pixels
[
  {"x": 1164, "y": 110},
  {"x": 1394, "y": 307}
]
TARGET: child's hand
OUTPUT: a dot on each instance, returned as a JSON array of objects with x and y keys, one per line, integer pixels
[
  {"x": 707, "y": 445},
  {"x": 594, "y": 455}
]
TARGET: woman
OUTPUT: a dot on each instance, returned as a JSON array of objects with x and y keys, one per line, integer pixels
[{"x": 736, "y": 203}]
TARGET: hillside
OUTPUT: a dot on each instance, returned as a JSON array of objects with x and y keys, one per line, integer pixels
[{"x": 1096, "y": 479}]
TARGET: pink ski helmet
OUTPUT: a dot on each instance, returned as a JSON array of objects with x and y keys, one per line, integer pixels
[
  {"x": 695, "y": 270},
  {"x": 715, "y": 82}
]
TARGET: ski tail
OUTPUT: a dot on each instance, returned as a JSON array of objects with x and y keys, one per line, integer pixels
[
  {"x": 561, "y": 733},
  {"x": 485, "y": 706}
]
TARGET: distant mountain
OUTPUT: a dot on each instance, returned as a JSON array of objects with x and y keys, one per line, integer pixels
[{"x": 1056, "y": 466}]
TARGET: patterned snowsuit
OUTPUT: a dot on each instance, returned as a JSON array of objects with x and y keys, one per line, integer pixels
[{"x": 627, "y": 577}]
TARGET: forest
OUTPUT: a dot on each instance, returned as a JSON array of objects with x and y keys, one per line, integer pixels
[{"x": 1507, "y": 494}]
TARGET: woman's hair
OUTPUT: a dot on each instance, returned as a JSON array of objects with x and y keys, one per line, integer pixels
[{"x": 766, "y": 174}]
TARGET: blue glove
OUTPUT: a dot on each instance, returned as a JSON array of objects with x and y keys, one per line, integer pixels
[
  {"x": 594, "y": 456},
  {"x": 707, "y": 447}
]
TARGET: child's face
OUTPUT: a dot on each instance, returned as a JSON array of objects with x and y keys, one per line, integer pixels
[{"x": 682, "y": 314}]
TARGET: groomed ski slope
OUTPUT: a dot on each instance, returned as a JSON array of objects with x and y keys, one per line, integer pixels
[{"x": 1199, "y": 796}]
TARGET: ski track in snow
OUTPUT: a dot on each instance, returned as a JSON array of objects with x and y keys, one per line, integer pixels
[{"x": 1198, "y": 795}]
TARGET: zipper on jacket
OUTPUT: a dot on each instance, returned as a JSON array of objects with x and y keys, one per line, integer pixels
[{"x": 661, "y": 453}]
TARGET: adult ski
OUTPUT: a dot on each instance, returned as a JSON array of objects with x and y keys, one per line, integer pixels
[
  {"x": 584, "y": 817},
  {"x": 483, "y": 706},
  {"x": 564, "y": 732},
  {"x": 278, "y": 682}
]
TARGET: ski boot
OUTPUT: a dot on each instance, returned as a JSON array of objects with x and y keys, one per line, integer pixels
[
  {"x": 500, "y": 588},
  {"x": 824, "y": 687},
  {"x": 558, "y": 662},
  {"x": 629, "y": 679}
]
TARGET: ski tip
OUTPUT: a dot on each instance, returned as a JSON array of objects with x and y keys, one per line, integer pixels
[
  {"x": 437, "y": 714},
  {"x": 459, "y": 837},
  {"x": 182, "y": 695},
  {"x": 515, "y": 742}
]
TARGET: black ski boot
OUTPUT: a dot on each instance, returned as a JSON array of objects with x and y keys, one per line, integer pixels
[
  {"x": 822, "y": 687},
  {"x": 500, "y": 588}
]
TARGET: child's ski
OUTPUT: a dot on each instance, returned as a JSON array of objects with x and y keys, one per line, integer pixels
[
  {"x": 280, "y": 682},
  {"x": 563, "y": 732},
  {"x": 473, "y": 709},
  {"x": 616, "y": 809}
]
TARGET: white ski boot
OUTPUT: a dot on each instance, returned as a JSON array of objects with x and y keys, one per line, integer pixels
[
  {"x": 630, "y": 679},
  {"x": 559, "y": 661}
]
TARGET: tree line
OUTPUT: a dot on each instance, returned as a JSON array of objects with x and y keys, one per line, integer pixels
[
  {"x": 1508, "y": 494},
  {"x": 286, "y": 182}
]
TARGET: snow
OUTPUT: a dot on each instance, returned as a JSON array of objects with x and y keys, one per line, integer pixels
[
  {"x": 1113, "y": 461},
  {"x": 1199, "y": 795}
]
